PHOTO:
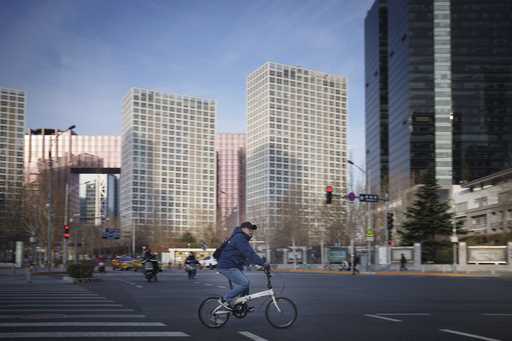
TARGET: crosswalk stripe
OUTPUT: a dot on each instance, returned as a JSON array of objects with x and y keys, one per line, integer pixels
[
  {"x": 41, "y": 300},
  {"x": 89, "y": 334},
  {"x": 69, "y": 316},
  {"x": 62, "y": 305},
  {"x": 65, "y": 310},
  {"x": 82, "y": 324}
]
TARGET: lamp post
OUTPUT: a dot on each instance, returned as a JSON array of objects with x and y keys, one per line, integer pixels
[
  {"x": 368, "y": 214},
  {"x": 50, "y": 199}
]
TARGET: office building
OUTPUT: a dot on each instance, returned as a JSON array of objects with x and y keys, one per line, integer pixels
[
  {"x": 231, "y": 160},
  {"x": 448, "y": 94},
  {"x": 168, "y": 163},
  {"x": 296, "y": 144},
  {"x": 12, "y": 125}
]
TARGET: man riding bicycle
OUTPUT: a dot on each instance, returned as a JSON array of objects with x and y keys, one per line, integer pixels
[{"x": 237, "y": 253}]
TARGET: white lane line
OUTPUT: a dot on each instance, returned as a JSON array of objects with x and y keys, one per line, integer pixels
[
  {"x": 39, "y": 305},
  {"x": 221, "y": 287},
  {"x": 139, "y": 286},
  {"x": 382, "y": 318},
  {"x": 82, "y": 324},
  {"x": 89, "y": 334},
  {"x": 403, "y": 314},
  {"x": 468, "y": 335},
  {"x": 42, "y": 301},
  {"x": 252, "y": 336},
  {"x": 70, "y": 316},
  {"x": 208, "y": 284},
  {"x": 51, "y": 310},
  {"x": 498, "y": 315}
]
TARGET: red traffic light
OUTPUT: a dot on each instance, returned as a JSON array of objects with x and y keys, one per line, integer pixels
[
  {"x": 329, "y": 189},
  {"x": 66, "y": 235},
  {"x": 66, "y": 232},
  {"x": 66, "y": 228}
]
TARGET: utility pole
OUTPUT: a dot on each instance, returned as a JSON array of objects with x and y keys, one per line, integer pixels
[{"x": 50, "y": 198}]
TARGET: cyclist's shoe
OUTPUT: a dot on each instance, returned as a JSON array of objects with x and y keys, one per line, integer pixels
[
  {"x": 251, "y": 309},
  {"x": 224, "y": 303}
]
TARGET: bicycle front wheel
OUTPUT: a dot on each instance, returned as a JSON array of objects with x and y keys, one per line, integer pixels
[
  {"x": 281, "y": 315},
  {"x": 212, "y": 314}
]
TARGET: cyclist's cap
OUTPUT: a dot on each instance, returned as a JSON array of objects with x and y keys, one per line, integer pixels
[{"x": 248, "y": 225}]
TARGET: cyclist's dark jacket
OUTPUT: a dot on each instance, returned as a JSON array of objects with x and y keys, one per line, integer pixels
[{"x": 238, "y": 252}]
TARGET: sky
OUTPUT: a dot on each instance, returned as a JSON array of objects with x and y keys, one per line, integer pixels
[{"x": 76, "y": 60}]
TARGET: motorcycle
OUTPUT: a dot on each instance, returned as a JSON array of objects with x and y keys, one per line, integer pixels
[
  {"x": 150, "y": 271},
  {"x": 191, "y": 271},
  {"x": 101, "y": 267}
]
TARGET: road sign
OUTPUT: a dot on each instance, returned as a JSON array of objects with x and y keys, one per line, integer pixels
[
  {"x": 351, "y": 196},
  {"x": 368, "y": 197}
]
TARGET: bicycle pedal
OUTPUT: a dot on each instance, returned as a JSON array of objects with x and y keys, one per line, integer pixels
[{"x": 251, "y": 309}]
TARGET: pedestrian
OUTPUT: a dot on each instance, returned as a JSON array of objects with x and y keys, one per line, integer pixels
[
  {"x": 403, "y": 262},
  {"x": 357, "y": 259},
  {"x": 237, "y": 253}
]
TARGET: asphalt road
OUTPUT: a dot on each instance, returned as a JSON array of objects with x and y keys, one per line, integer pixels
[{"x": 123, "y": 306}]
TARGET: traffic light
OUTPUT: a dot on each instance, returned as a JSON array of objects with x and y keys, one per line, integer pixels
[
  {"x": 66, "y": 232},
  {"x": 328, "y": 195},
  {"x": 389, "y": 218}
]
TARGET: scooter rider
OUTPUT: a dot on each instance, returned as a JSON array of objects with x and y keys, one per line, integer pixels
[
  {"x": 237, "y": 253},
  {"x": 150, "y": 257},
  {"x": 191, "y": 265}
]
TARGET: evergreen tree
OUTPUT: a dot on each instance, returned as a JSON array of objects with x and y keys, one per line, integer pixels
[{"x": 428, "y": 220}]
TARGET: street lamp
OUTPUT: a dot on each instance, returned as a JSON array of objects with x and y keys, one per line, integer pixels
[
  {"x": 50, "y": 198},
  {"x": 368, "y": 215}
]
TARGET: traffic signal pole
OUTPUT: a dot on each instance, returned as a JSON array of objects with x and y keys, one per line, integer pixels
[{"x": 66, "y": 222}]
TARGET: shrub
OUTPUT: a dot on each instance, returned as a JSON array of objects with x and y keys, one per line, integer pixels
[{"x": 81, "y": 270}]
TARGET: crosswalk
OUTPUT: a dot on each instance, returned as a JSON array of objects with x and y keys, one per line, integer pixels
[{"x": 72, "y": 312}]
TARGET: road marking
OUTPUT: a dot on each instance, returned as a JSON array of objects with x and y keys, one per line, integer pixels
[
  {"x": 62, "y": 305},
  {"x": 498, "y": 315},
  {"x": 82, "y": 324},
  {"x": 252, "y": 336},
  {"x": 139, "y": 286},
  {"x": 208, "y": 284},
  {"x": 403, "y": 314},
  {"x": 468, "y": 335},
  {"x": 89, "y": 334},
  {"x": 221, "y": 287},
  {"x": 44, "y": 300},
  {"x": 73, "y": 316},
  {"x": 41, "y": 310},
  {"x": 382, "y": 318}
]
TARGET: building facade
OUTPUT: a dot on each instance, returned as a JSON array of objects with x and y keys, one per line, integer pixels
[
  {"x": 449, "y": 66},
  {"x": 168, "y": 163},
  {"x": 231, "y": 163},
  {"x": 12, "y": 126},
  {"x": 296, "y": 145}
]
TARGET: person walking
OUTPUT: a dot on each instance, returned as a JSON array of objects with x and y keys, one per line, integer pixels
[
  {"x": 403, "y": 262},
  {"x": 357, "y": 259},
  {"x": 237, "y": 253}
]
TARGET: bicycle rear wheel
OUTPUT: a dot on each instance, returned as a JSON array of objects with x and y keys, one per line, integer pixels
[
  {"x": 211, "y": 314},
  {"x": 283, "y": 315}
]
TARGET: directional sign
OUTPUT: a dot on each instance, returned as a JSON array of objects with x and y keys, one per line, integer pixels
[
  {"x": 368, "y": 197},
  {"x": 351, "y": 196},
  {"x": 112, "y": 233}
]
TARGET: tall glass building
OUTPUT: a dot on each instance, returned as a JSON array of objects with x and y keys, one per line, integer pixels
[
  {"x": 12, "y": 126},
  {"x": 231, "y": 161},
  {"x": 168, "y": 163},
  {"x": 296, "y": 142},
  {"x": 449, "y": 89}
]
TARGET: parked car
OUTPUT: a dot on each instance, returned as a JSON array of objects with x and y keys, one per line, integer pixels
[{"x": 208, "y": 262}]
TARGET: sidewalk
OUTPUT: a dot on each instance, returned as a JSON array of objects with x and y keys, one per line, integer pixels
[
  {"x": 394, "y": 273},
  {"x": 19, "y": 276}
]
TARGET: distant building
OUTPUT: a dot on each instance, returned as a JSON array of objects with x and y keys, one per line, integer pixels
[
  {"x": 12, "y": 126},
  {"x": 485, "y": 205},
  {"x": 231, "y": 162},
  {"x": 168, "y": 163},
  {"x": 296, "y": 144}
]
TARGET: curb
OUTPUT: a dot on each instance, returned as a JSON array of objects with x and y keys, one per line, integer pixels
[{"x": 391, "y": 273}]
